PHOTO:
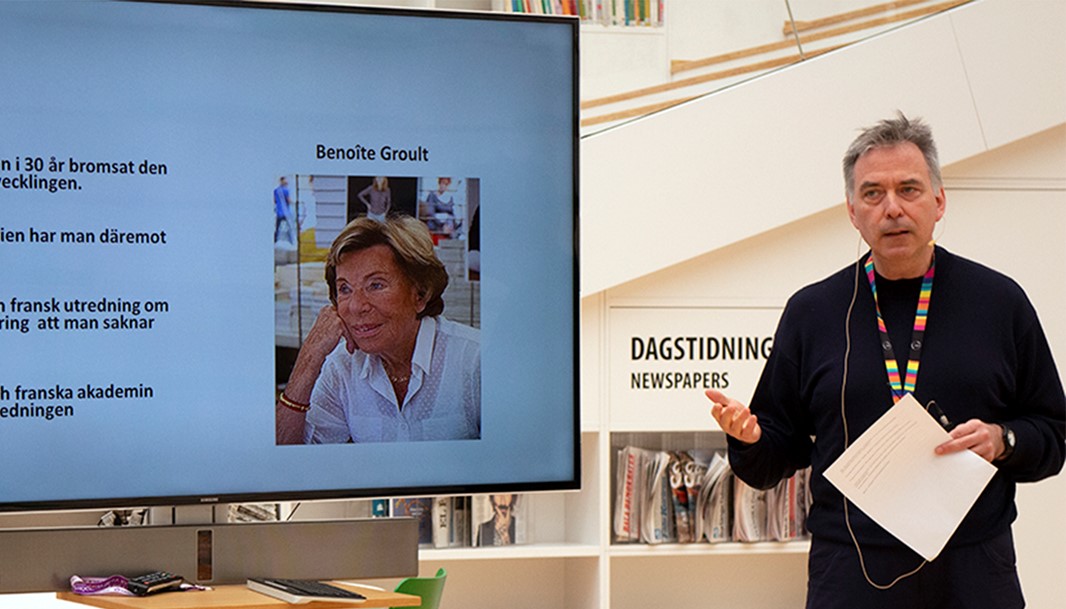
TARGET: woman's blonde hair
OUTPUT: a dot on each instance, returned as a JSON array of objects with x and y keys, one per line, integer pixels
[{"x": 411, "y": 244}]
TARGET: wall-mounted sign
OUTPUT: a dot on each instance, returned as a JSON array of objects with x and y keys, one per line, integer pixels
[{"x": 661, "y": 359}]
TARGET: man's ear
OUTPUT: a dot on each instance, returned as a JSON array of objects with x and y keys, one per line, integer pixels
[{"x": 851, "y": 210}]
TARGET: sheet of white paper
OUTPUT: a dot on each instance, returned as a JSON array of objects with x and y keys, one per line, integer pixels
[{"x": 892, "y": 474}]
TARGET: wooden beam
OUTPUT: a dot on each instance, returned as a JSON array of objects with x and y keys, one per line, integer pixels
[
  {"x": 633, "y": 112},
  {"x": 701, "y": 79},
  {"x": 683, "y": 65},
  {"x": 813, "y": 24}
]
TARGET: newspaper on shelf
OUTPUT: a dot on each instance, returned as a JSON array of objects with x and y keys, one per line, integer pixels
[
  {"x": 657, "y": 524},
  {"x": 645, "y": 496},
  {"x": 782, "y": 507},
  {"x": 749, "y": 513},
  {"x": 628, "y": 478},
  {"x": 715, "y": 503},
  {"x": 693, "y": 496},
  {"x": 803, "y": 499}
]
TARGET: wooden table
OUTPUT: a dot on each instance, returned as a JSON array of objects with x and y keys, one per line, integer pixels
[{"x": 238, "y": 597}]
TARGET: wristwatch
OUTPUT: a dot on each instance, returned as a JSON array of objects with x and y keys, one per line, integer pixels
[{"x": 1008, "y": 443}]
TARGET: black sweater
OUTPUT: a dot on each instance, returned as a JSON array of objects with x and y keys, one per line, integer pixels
[{"x": 985, "y": 356}]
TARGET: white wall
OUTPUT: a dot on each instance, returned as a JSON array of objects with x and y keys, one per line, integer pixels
[
  {"x": 1013, "y": 205},
  {"x": 668, "y": 188},
  {"x": 1007, "y": 209}
]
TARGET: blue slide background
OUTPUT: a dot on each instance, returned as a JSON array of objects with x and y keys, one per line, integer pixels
[{"x": 228, "y": 99}]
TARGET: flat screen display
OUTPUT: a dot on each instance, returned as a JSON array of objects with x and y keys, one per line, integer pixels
[{"x": 172, "y": 180}]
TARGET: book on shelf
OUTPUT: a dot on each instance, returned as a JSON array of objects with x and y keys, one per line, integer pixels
[
  {"x": 604, "y": 12},
  {"x": 460, "y": 535},
  {"x": 442, "y": 521},
  {"x": 451, "y": 522},
  {"x": 379, "y": 508}
]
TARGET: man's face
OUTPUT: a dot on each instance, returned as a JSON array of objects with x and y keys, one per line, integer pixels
[
  {"x": 504, "y": 506},
  {"x": 895, "y": 208}
]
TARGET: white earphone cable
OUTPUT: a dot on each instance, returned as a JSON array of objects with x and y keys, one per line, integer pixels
[{"x": 847, "y": 439}]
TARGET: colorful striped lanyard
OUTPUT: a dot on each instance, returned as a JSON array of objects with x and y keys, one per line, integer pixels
[{"x": 891, "y": 365}]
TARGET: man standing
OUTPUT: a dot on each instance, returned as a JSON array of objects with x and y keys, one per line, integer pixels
[
  {"x": 851, "y": 345},
  {"x": 283, "y": 212}
]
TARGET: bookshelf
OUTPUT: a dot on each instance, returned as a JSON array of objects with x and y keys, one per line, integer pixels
[
  {"x": 572, "y": 560},
  {"x": 607, "y": 13}
]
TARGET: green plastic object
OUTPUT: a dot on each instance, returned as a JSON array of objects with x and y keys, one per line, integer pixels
[{"x": 429, "y": 588}]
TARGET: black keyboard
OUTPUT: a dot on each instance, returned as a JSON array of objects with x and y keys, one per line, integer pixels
[{"x": 302, "y": 590}]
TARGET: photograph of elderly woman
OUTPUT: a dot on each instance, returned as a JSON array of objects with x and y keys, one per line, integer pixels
[{"x": 377, "y": 311}]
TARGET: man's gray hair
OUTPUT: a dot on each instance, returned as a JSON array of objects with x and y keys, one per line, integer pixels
[{"x": 892, "y": 132}]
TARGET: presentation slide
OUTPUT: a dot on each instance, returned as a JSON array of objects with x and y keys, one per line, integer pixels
[{"x": 171, "y": 180}]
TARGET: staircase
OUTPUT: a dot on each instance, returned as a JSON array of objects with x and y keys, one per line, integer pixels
[{"x": 800, "y": 41}]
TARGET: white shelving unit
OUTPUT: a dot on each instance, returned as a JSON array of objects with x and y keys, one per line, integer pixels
[{"x": 574, "y": 564}]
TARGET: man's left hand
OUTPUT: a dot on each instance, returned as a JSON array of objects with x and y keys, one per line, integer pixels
[{"x": 985, "y": 439}]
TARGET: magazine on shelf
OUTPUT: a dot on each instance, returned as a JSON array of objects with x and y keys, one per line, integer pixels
[
  {"x": 694, "y": 470},
  {"x": 499, "y": 520},
  {"x": 679, "y": 463}
]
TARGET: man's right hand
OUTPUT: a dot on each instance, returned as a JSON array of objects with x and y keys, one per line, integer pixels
[{"x": 734, "y": 418}]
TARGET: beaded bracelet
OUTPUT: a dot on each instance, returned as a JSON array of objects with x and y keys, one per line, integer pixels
[{"x": 291, "y": 405}]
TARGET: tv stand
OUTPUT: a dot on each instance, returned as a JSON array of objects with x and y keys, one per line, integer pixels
[{"x": 211, "y": 554}]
